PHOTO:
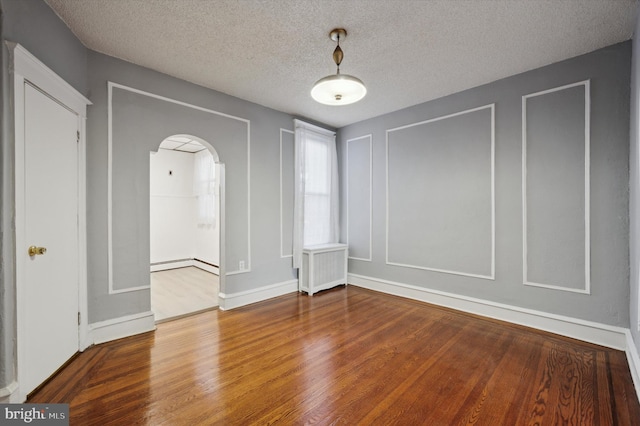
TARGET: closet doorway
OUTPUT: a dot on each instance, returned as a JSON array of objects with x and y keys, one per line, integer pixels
[{"x": 184, "y": 227}]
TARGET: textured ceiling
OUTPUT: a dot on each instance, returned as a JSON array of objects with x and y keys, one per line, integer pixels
[{"x": 272, "y": 51}]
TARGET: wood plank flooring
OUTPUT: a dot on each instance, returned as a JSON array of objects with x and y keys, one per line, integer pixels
[
  {"x": 345, "y": 356},
  {"x": 182, "y": 291}
]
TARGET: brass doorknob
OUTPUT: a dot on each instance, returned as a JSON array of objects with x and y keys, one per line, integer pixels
[{"x": 33, "y": 250}]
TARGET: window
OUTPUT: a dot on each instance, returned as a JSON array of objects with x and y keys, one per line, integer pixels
[
  {"x": 316, "y": 188},
  {"x": 317, "y": 201}
]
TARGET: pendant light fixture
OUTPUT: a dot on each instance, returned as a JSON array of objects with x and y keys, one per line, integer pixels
[{"x": 338, "y": 89}]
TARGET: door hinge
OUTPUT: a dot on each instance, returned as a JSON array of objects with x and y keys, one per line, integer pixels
[
  {"x": 78, "y": 318},
  {"x": 78, "y": 136}
]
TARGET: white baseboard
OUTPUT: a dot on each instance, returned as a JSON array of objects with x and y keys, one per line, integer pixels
[
  {"x": 633, "y": 358},
  {"x": 235, "y": 300},
  {"x": 588, "y": 331},
  {"x": 165, "y": 266},
  {"x": 117, "y": 328},
  {"x": 99, "y": 332},
  {"x": 10, "y": 395}
]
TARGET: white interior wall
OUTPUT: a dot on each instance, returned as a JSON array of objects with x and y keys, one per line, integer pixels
[
  {"x": 172, "y": 206},
  {"x": 175, "y": 235},
  {"x": 206, "y": 244}
]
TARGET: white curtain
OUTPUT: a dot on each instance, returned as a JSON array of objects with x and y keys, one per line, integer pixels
[
  {"x": 204, "y": 183},
  {"x": 316, "y": 207}
]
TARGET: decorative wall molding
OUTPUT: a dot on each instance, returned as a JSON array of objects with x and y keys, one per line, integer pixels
[
  {"x": 587, "y": 243},
  {"x": 236, "y": 300},
  {"x": 588, "y": 331},
  {"x": 370, "y": 137},
  {"x": 491, "y": 276},
  {"x": 117, "y": 328},
  {"x": 282, "y": 253},
  {"x": 110, "y": 87}
]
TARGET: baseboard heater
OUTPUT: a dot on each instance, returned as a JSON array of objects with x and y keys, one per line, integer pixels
[
  {"x": 183, "y": 263},
  {"x": 206, "y": 263},
  {"x": 167, "y": 262},
  {"x": 323, "y": 266}
]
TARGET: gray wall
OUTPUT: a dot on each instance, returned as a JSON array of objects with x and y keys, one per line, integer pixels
[
  {"x": 39, "y": 30},
  {"x": 34, "y": 25},
  {"x": 140, "y": 123},
  {"x": 634, "y": 188},
  {"x": 444, "y": 167},
  {"x": 432, "y": 191},
  {"x": 287, "y": 163},
  {"x": 358, "y": 194},
  {"x": 556, "y": 222}
]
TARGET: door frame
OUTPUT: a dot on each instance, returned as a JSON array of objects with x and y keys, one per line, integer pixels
[
  {"x": 27, "y": 68},
  {"x": 220, "y": 208},
  {"x": 222, "y": 235}
]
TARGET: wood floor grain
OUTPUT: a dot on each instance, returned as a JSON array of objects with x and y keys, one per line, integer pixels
[{"x": 346, "y": 356}]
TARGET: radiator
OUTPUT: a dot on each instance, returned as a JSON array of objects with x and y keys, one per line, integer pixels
[{"x": 323, "y": 266}]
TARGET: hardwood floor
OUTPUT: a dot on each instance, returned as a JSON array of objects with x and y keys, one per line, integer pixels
[
  {"x": 345, "y": 356},
  {"x": 183, "y": 291}
]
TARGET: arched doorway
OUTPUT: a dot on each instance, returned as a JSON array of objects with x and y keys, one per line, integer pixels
[{"x": 186, "y": 221}]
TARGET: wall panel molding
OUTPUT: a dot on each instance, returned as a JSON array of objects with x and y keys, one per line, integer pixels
[
  {"x": 586, "y": 289},
  {"x": 110, "y": 88},
  {"x": 369, "y": 140},
  {"x": 289, "y": 253},
  {"x": 490, "y": 267}
]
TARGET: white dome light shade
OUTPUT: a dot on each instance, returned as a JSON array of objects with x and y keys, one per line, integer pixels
[{"x": 338, "y": 89}]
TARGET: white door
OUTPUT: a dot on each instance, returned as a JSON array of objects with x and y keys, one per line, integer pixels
[{"x": 51, "y": 221}]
